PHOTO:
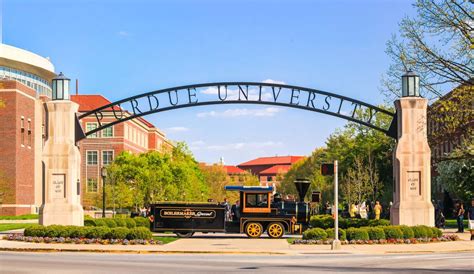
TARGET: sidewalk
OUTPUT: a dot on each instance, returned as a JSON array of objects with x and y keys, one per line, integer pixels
[{"x": 239, "y": 245}]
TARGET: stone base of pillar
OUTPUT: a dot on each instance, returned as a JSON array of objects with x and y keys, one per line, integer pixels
[
  {"x": 61, "y": 214},
  {"x": 62, "y": 161},
  {"x": 412, "y": 213}
]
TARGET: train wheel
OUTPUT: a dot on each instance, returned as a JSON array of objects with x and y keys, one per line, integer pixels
[
  {"x": 184, "y": 234},
  {"x": 253, "y": 230},
  {"x": 275, "y": 230}
]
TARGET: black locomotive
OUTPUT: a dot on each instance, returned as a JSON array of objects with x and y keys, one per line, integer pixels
[{"x": 259, "y": 211}]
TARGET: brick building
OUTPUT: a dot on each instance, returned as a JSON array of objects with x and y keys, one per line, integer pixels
[
  {"x": 25, "y": 85},
  {"x": 99, "y": 149},
  {"x": 267, "y": 169}
]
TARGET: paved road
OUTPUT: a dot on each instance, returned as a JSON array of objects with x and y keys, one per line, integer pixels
[{"x": 171, "y": 263}]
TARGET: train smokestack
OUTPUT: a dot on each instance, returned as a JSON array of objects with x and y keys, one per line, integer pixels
[{"x": 302, "y": 186}]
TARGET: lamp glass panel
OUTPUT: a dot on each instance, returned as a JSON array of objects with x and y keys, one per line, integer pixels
[
  {"x": 66, "y": 89},
  {"x": 59, "y": 91},
  {"x": 404, "y": 86},
  {"x": 54, "y": 86}
]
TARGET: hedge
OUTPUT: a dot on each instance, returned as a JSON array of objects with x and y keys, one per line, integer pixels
[
  {"x": 341, "y": 232},
  {"x": 326, "y": 221},
  {"x": 315, "y": 234},
  {"x": 393, "y": 232},
  {"x": 357, "y": 234},
  {"x": 407, "y": 232},
  {"x": 375, "y": 233},
  {"x": 90, "y": 232},
  {"x": 142, "y": 222},
  {"x": 118, "y": 222}
]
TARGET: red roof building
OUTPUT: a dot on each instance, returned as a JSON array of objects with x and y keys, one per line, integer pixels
[
  {"x": 267, "y": 168},
  {"x": 99, "y": 149}
]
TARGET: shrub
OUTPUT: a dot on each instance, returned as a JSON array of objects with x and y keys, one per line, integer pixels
[
  {"x": 89, "y": 222},
  {"x": 110, "y": 222},
  {"x": 315, "y": 234},
  {"x": 141, "y": 233},
  {"x": 376, "y": 233},
  {"x": 120, "y": 222},
  {"x": 341, "y": 232},
  {"x": 130, "y": 223},
  {"x": 436, "y": 232},
  {"x": 357, "y": 234},
  {"x": 78, "y": 232},
  {"x": 100, "y": 222},
  {"x": 321, "y": 221},
  {"x": 420, "y": 231},
  {"x": 392, "y": 232},
  {"x": 407, "y": 232},
  {"x": 55, "y": 231},
  {"x": 381, "y": 222},
  {"x": 99, "y": 232},
  {"x": 118, "y": 233},
  {"x": 142, "y": 222},
  {"x": 35, "y": 231},
  {"x": 429, "y": 231}
]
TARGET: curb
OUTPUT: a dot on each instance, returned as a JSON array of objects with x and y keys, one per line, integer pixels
[{"x": 135, "y": 251}]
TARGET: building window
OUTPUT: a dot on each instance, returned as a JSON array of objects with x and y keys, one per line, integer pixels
[
  {"x": 22, "y": 130},
  {"x": 89, "y": 127},
  {"x": 29, "y": 133},
  {"x": 91, "y": 158},
  {"x": 91, "y": 185},
  {"x": 269, "y": 178},
  {"x": 107, "y": 157},
  {"x": 108, "y": 132}
]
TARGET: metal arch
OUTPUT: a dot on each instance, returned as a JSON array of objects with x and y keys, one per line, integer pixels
[{"x": 116, "y": 106}]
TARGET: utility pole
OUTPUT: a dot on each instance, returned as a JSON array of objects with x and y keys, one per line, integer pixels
[{"x": 336, "y": 244}]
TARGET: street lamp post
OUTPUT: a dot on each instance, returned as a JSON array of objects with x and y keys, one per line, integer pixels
[
  {"x": 103, "y": 174},
  {"x": 410, "y": 84}
]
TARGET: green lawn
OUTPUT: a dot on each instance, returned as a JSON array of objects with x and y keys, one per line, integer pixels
[
  {"x": 166, "y": 239},
  {"x": 453, "y": 224},
  {"x": 290, "y": 240},
  {"x": 20, "y": 217},
  {"x": 5, "y": 227}
]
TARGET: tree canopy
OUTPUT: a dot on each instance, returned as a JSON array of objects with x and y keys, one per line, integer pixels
[{"x": 437, "y": 43}]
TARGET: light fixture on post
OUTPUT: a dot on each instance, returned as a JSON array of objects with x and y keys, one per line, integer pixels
[
  {"x": 60, "y": 87},
  {"x": 410, "y": 84},
  {"x": 103, "y": 174}
]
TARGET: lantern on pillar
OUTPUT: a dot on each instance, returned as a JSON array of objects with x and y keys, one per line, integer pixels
[
  {"x": 60, "y": 87},
  {"x": 410, "y": 84}
]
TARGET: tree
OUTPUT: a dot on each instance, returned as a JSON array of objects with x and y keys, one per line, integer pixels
[
  {"x": 355, "y": 183},
  {"x": 457, "y": 177},
  {"x": 217, "y": 178},
  {"x": 437, "y": 44},
  {"x": 451, "y": 117}
]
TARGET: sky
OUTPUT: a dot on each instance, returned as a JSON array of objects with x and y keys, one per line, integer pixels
[{"x": 124, "y": 48}]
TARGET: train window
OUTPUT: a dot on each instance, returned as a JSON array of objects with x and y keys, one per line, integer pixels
[{"x": 256, "y": 200}]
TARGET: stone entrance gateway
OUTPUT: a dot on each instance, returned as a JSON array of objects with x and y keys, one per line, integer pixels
[{"x": 412, "y": 203}]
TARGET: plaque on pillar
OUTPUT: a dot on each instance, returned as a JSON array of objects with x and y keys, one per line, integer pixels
[
  {"x": 58, "y": 188},
  {"x": 413, "y": 183}
]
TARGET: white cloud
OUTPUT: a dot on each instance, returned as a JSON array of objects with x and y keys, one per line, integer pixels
[
  {"x": 239, "y": 112},
  {"x": 177, "y": 129},
  {"x": 271, "y": 81},
  {"x": 123, "y": 33},
  {"x": 200, "y": 145}
]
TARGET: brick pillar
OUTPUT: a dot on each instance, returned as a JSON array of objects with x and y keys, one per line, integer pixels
[
  {"x": 411, "y": 166},
  {"x": 62, "y": 160}
]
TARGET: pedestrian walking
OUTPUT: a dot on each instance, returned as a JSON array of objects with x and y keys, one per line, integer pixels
[
  {"x": 470, "y": 216},
  {"x": 460, "y": 217},
  {"x": 353, "y": 211},
  {"x": 377, "y": 210},
  {"x": 363, "y": 211}
]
